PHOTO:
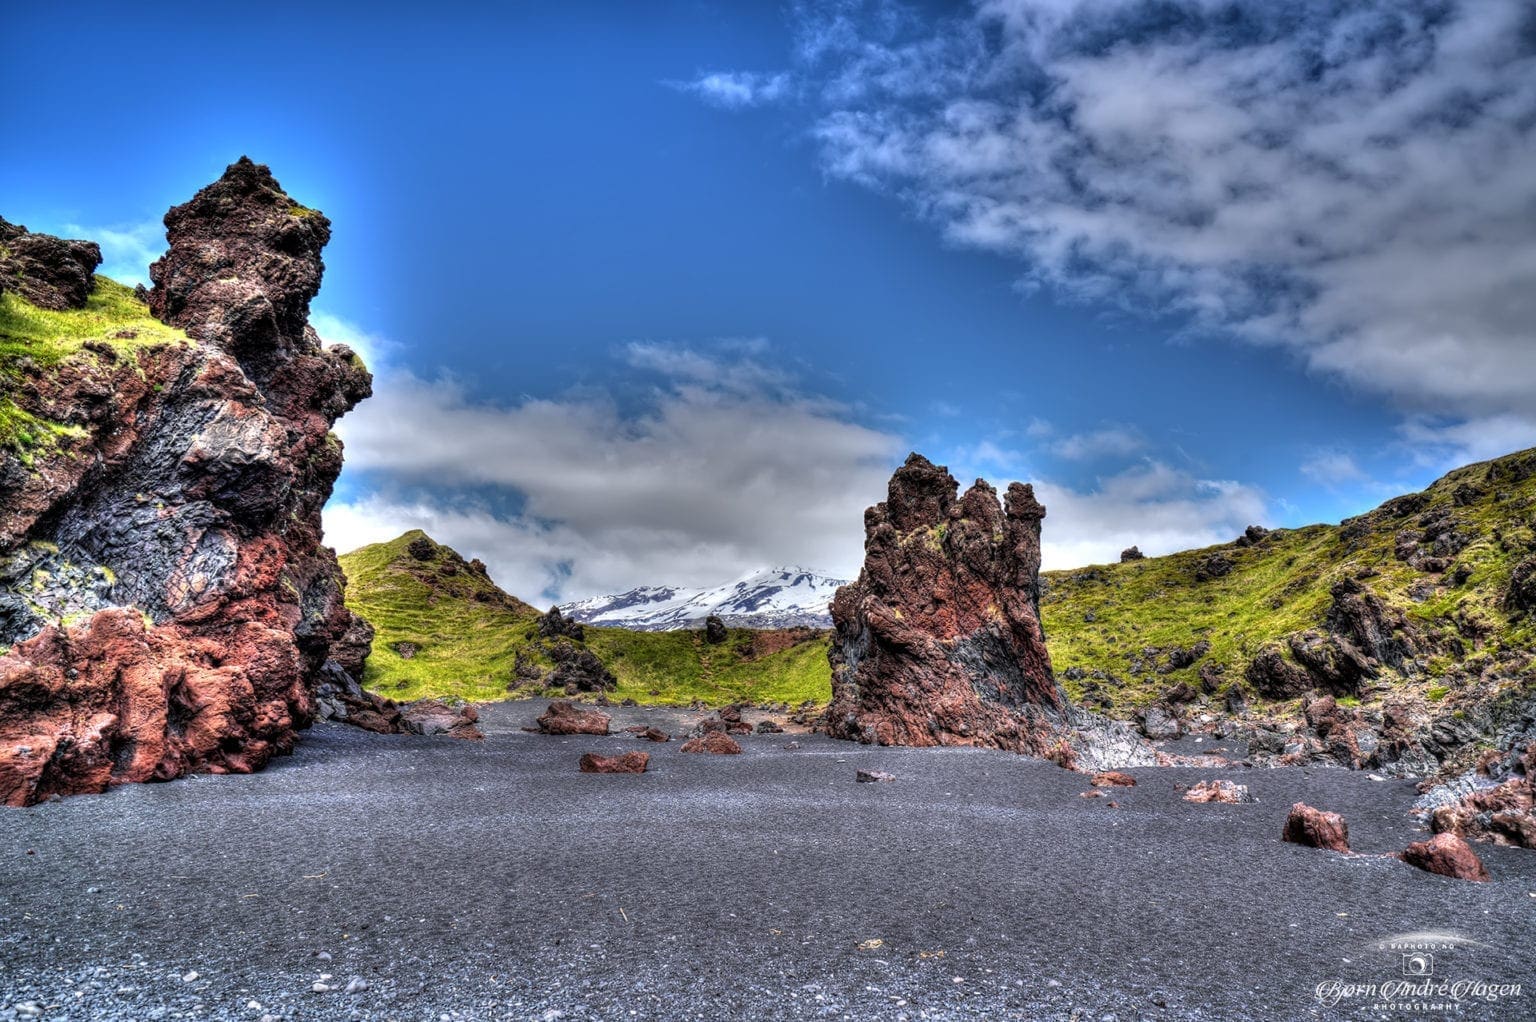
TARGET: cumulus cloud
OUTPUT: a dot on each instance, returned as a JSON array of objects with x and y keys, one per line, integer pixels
[
  {"x": 1149, "y": 504},
  {"x": 737, "y": 90},
  {"x": 126, "y": 249},
  {"x": 1349, "y": 180},
  {"x": 1110, "y": 441},
  {"x": 725, "y": 466},
  {"x": 1158, "y": 508},
  {"x": 1333, "y": 469}
]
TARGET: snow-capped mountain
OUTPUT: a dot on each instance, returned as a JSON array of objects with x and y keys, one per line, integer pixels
[{"x": 774, "y": 598}]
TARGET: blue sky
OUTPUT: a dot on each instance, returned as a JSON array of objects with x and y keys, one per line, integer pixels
[{"x": 662, "y": 295}]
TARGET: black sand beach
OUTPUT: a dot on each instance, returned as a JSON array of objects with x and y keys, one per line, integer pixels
[{"x": 450, "y": 880}]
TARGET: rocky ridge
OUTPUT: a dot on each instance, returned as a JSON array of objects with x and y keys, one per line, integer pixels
[
  {"x": 939, "y": 641},
  {"x": 165, "y": 597}
]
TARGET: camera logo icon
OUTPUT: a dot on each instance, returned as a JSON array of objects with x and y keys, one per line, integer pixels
[{"x": 1419, "y": 964}]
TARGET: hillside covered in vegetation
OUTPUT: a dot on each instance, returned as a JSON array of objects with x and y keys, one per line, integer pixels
[
  {"x": 445, "y": 629},
  {"x": 1427, "y": 599},
  {"x": 1428, "y": 595}
]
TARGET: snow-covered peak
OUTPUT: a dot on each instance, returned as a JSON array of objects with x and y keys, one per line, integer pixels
[{"x": 771, "y": 598}]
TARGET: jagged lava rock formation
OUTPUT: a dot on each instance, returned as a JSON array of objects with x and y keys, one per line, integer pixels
[
  {"x": 166, "y": 598},
  {"x": 938, "y": 642}
]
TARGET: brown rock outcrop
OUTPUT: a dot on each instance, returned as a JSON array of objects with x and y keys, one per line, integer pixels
[
  {"x": 565, "y": 718},
  {"x": 1447, "y": 855},
  {"x": 624, "y": 763},
  {"x": 938, "y": 642},
  {"x": 1113, "y": 779},
  {"x": 51, "y": 273},
  {"x": 1504, "y": 814},
  {"x": 178, "y": 525},
  {"x": 1316, "y": 828}
]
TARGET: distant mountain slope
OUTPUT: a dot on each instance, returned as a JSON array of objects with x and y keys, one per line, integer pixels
[
  {"x": 445, "y": 629},
  {"x": 772, "y": 598},
  {"x": 1427, "y": 598},
  {"x": 1416, "y": 617}
]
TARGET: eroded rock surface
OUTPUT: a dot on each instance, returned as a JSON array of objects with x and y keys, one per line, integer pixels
[
  {"x": 1315, "y": 828},
  {"x": 938, "y": 642},
  {"x": 176, "y": 528},
  {"x": 714, "y": 742},
  {"x": 1447, "y": 855},
  {"x": 566, "y": 718},
  {"x": 1228, "y": 792},
  {"x": 51, "y": 273},
  {"x": 624, "y": 763}
]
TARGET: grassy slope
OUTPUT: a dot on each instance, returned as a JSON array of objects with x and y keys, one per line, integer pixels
[
  {"x": 41, "y": 339},
  {"x": 467, "y": 647},
  {"x": 1101, "y": 618}
]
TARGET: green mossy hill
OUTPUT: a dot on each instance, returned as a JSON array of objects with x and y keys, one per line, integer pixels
[
  {"x": 1123, "y": 635},
  {"x": 445, "y": 629},
  {"x": 33, "y": 339}
]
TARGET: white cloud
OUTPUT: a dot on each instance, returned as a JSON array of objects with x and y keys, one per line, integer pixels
[
  {"x": 1109, "y": 442},
  {"x": 1151, "y": 505},
  {"x": 1333, "y": 469},
  {"x": 1352, "y": 182},
  {"x": 1158, "y": 508},
  {"x": 726, "y": 467},
  {"x": 378, "y": 353},
  {"x": 736, "y": 90},
  {"x": 1442, "y": 445},
  {"x": 126, "y": 249}
]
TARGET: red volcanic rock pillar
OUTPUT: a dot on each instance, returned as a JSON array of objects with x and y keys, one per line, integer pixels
[
  {"x": 190, "y": 507},
  {"x": 939, "y": 642}
]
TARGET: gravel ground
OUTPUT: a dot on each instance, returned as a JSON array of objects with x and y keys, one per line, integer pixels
[{"x": 449, "y": 880}]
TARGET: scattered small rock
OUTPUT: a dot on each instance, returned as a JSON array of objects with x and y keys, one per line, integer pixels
[
  {"x": 356, "y": 985},
  {"x": 1315, "y": 828},
  {"x": 872, "y": 776},
  {"x": 1447, "y": 855},
  {"x": 626, "y": 763},
  {"x": 715, "y": 742},
  {"x": 1219, "y": 791},
  {"x": 565, "y": 718}
]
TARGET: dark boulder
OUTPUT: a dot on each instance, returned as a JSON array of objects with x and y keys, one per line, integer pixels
[
  {"x": 715, "y": 631},
  {"x": 1275, "y": 677},
  {"x": 51, "y": 273},
  {"x": 1132, "y": 553},
  {"x": 578, "y": 669},
  {"x": 1213, "y": 566},
  {"x": 555, "y": 624},
  {"x": 1252, "y": 536},
  {"x": 1520, "y": 595}
]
